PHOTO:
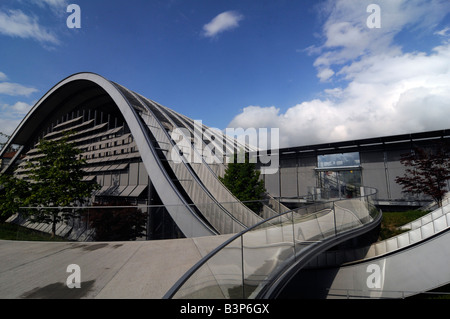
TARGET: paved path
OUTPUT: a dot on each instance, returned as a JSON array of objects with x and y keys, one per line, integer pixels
[{"x": 142, "y": 269}]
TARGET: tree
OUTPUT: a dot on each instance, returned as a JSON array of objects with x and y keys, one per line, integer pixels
[
  {"x": 56, "y": 180},
  {"x": 242, "y": 179},
  {"x": 427, "y": 172},
  {"x": 12, "y": 194}
]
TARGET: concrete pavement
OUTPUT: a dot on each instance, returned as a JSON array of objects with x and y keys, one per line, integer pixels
[{"x": 140, "y": 269}]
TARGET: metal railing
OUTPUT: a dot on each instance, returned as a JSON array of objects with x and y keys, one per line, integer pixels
[
  {"x": 351, "y": 293},
  {"x": 252, "y": 260},
  {"x": 416, "y": 231}
]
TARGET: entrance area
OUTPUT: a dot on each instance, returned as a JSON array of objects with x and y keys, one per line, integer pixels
[
  {"x": 339, "y": 183},
  {"x": 339, "y": 175}
]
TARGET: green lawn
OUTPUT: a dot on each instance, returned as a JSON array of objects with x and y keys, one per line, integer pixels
[
  {"x": 14, "y": 232},
  {"x": 392, "y": 220}
]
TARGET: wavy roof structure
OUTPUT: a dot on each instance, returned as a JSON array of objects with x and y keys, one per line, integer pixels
[{"x": 128, "y": 140}]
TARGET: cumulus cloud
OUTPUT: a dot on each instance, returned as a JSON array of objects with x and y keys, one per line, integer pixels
[
  {"x": 225, "y": 21},
  {"x": 16, "y": 111},
  {"x": 15, "y": 23},
  {"x": 348, "y": 38},
  {"x": 12, "y": 115},
  {"x": 7, "y": 127},
  {"x": 15, "y": 89},
  {"x": 379, "y": 89}
]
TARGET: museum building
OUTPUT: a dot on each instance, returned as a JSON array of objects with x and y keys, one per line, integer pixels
[{"x": 132, "y": 150}]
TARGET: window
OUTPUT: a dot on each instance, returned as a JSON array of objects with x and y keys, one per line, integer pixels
[{"x": 338, "y": 160}]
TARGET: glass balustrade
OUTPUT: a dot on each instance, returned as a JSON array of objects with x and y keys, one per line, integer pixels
[{"x": 252, "y": 259}]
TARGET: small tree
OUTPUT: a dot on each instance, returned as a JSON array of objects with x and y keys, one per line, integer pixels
[
  {"x": 12, "y": 194},
  {"x": 242, "y": 179},
  {"x": 427, "y": 172},
  {"x": 56, "y": 181}
]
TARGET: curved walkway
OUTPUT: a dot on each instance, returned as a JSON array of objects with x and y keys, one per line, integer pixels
[
  {"x": 411, "y": 263},
  {"x": 141, "y": 269},
  {"x": 256, "y": 263}
]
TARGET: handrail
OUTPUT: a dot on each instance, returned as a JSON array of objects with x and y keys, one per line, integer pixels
[
  {"x": 416, "y": 232},
  {"x": 396, "y": 294},
  {"x": 246, "y": 264}
]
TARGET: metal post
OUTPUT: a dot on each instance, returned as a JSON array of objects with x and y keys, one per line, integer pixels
[
  {"x": 242, "y": 266},
  {"x": 279, "y": 189},
  {"x": 334, "y": 214},
  {"x": 293, "y": 235},
  {"x": 150, "y": 201}
]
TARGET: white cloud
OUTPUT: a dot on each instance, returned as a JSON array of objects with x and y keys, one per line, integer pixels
[
  {"x": 58, "y": 7},
  {"x": 223, "y": 22},
  {"x": 324, "y": 74},
  {"x": 17, "y": 24},
  {"x": 444, "y": 32},
  {"x": 382, "y": 90},
  {"x": 347, "y": 37},
  {"x": 8, "y": 126},
  {"x": 15, "y": 89},
  {"x": 12, "y": 115},
  {"x": 52, "y": 3},
  {"x": 388, "y": 95},
  {"x": 21, "y": 108}
]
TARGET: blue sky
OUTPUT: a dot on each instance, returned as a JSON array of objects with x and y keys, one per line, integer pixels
[{"x": 314, "y": 69}]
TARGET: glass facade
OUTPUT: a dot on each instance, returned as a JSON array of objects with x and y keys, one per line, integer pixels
[{"x": 339, "y": 175}]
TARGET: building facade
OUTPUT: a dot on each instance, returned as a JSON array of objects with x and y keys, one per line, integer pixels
[
  {"x": 146, "y": 155},
  {"x": 337, "y": 170},
  {"x": 133, "y": 151}
]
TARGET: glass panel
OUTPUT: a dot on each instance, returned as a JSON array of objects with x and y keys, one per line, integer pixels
[
  {"x": 220, "y": 277},
  {"x": 339, "y": 184},
  {"x": 243, "y": 267},
  {"x": 350, "y": 182},
  {"x": 266, "y": 249},
  {"x": 329, "y": 183}
]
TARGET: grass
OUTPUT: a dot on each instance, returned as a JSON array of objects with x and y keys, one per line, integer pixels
[
  {"x": 392, "y": 220},
  {"x": 15, "y": 232}
]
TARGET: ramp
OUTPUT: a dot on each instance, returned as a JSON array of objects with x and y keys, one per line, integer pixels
[
  {"x": 405, "y": 265},
  {"x": 255, "y": 263}
]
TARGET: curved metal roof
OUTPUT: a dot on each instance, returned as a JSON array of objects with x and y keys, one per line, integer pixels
[{"x": 197, "y": 209}]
